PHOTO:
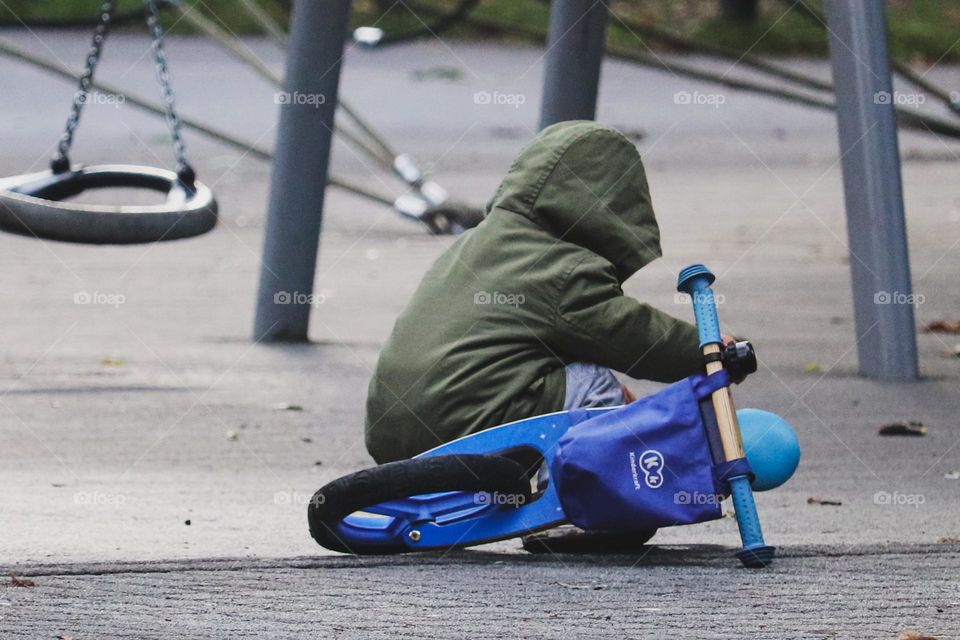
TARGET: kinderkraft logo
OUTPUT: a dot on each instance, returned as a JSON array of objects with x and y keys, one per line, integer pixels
[
  {"x": 698, "y": 98},
  {"x": 651, "y": 464},
  {"x": 499, "y": 297},
  {"x": 896, "y": 297},
  {"x": 496, "y": 98},
  {"x": 99, "y": 298},
  {"x": 296, "y": 98},
  {"x": 296, "y": 297}
]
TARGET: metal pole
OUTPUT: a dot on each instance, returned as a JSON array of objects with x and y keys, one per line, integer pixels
[
  {"x": 300, "y": 168},
  {"x": 575, "y": 46},
  {"x": 879, "y": 262}
]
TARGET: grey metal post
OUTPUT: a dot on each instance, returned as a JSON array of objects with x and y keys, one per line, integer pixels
[
  {"x": 307, "y": 104},
  {"x": 879, "y": 261},
  {"x": 575, "y": 46}
]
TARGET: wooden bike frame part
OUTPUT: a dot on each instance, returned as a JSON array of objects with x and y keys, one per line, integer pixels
[{"x": 726, "y": 414}]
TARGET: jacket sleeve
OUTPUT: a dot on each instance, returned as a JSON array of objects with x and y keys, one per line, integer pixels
[{"x": 596, "y": 322}]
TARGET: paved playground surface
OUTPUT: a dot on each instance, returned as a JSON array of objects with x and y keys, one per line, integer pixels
[{"x": 155, "y": 463}]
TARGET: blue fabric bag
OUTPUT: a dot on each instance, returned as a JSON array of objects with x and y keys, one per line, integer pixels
[{"x": 652, "y": 463}]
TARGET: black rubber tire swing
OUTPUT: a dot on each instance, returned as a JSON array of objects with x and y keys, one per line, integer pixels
[
  {"x": 35, "y": 204},
  {"x": 402, "y": 479}
]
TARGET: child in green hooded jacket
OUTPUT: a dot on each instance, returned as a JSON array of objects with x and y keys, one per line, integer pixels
[{"x": 525, "y": 314}]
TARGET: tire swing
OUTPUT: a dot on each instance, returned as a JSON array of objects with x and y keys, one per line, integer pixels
[{"x": 37, "y": 204}]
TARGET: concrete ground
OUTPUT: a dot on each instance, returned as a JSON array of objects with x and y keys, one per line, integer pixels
[{"x": 151, "y": 486}]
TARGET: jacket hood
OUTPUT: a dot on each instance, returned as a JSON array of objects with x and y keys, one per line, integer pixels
[{"x": 585, "y": 183}]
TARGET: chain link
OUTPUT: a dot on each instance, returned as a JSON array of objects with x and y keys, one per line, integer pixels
[
  {"x": 166, "y": 90},
  {"x": 61, "y": 161}
]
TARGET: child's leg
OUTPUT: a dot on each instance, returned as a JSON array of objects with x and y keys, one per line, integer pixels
[{"x": 590, "y": 385}]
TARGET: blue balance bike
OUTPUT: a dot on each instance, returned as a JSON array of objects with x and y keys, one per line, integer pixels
[{"x": 667, "y": 459}]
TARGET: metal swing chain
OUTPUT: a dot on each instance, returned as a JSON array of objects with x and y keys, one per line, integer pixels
[
  {"x": 184, "y": 170},
  {"x": 61, "y": 162}
]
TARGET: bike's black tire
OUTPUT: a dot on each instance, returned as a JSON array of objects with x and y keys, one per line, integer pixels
[{"x": 402, "y": 479}]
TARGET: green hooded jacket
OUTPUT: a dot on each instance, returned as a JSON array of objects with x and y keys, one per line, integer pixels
[{"x": 534, "y": 287}]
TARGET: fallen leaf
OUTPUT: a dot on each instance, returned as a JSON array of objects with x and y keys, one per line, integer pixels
[
  {"x": 942, "y": 326},
  {"x": 812, "y": 367},
  {"x": 112, "y": 362},
  {"x": 949, "y": 540},
  {"x": 286, "y": 406},
  {"x": 912, "y": 428},
  {"x": 912, "y": 634},
  {"x": 824, "y": 501},
  {"x": 22, "y": 582}
]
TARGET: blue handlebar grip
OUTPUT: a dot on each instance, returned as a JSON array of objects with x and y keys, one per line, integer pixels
[
  {"x": 755, "y": 553},
  {"x": 695, "y": 281}
]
